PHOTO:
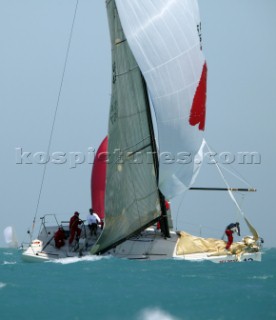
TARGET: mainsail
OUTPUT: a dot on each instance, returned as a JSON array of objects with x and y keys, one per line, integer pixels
[
  {"x": 132, "y": 196},
  {"x": 165, "y": 38}
]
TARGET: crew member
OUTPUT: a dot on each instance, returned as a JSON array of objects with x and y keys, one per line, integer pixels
[
  {"x": 74, "y": 227},
  {"x": 93, "y": 220},
  {"x": 59, "y": 238},
  {"x": 230, "y": 229}
]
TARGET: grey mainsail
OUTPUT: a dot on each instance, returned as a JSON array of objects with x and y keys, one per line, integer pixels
[{"x": 132, "y": 197}]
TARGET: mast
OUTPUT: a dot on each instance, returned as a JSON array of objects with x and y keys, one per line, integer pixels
[{"x": 164, "y": 224}]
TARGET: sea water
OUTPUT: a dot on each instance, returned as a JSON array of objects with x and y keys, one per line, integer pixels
[{"x": 110, "y": 288}]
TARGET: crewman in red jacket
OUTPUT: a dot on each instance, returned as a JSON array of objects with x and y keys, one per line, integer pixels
[
  {"x": 230, "y": 229},
  {"x": 59, "y": 238},
  {"x": 74, "y": 227}
]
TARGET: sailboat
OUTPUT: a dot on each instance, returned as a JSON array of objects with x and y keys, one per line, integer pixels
[
  {"x": 155, "y": 138},
  {"x": 10, "y": 237}
]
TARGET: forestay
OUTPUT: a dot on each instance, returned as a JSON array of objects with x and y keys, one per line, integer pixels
[{"x": 165, "y": 38}]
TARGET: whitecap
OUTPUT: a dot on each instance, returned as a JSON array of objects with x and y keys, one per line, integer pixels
[
  {"x": 9, "y": 262},
  {"x": 155, "y": 314},
  {"x": 76, "y": 259},
  {"x": 8, "y": 253},
  {"x": 2, "y": 285},
  {"x": 263, "y": 277}
]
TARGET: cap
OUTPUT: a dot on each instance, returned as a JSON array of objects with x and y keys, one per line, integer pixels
[{"x": 76, "y": 213}]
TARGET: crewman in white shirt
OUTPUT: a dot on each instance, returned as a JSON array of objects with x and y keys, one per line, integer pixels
[{"x": 93, "y": 220}]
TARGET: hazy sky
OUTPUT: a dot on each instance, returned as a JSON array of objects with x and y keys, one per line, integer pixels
[{"x": 239, "y": 44}]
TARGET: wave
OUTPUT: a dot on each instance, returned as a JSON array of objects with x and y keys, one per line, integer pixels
[
  {"x": 155, "y": 314},
  {"x": 76, "y": 259},
  {"x": 263, "y": 277},
  {"x": 9, "y": 262},
  {"x": 2, "y": 285}
]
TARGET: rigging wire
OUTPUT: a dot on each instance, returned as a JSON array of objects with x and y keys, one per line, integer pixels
[
  {"x": 251, "y": 228},
  {"x": 233, "y": 171},
  {"x": 55, "y": 113},
  {"x": 239, "y": 210},
  {"x": 226, "y": 183},
  {"x": 236, "y": 175},
  {"x": 241, "y": 204},
  {"x": 178, "y": 210}
]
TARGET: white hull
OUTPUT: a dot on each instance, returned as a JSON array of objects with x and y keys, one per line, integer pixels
[
  {"x": 254, "y": 256},
  {"x": 35, "y": 254},
  {"x": 152, "y": 246},
  {"x": 43, "y": 248},
  {"x": 30, "y": 256},
  {"x": 149, "y": 245}
]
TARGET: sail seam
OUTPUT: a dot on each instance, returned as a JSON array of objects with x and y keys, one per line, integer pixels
[
  {"x": 136, "y": 144},
  {"x": 172, "y": 59},
  {"x": 176, "y": 91},
  {"x": 142, "y": 148},
  {"x": 125, "y": 72}
]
